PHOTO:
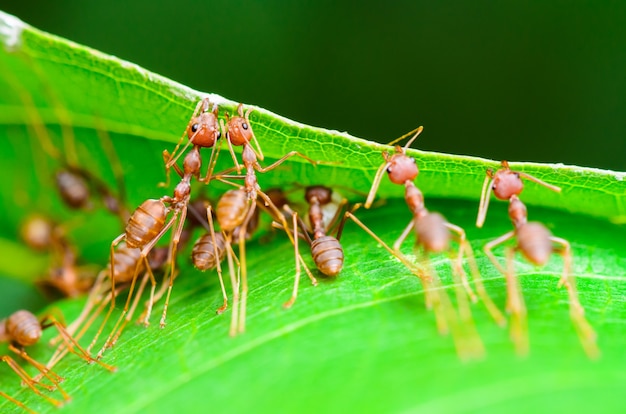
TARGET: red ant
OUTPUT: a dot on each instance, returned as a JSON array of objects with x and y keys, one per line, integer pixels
[
  {"x": 537, "y": 244},
  {"x": 154, "y": 217},
  {"x": 22, "y": 329},
  {"x": 433, "y": 234},
  {"x": 239, "y": 133}
]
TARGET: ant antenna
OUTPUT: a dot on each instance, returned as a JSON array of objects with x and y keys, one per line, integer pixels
[
  {"x": 415, "y": 131},
  {"x": 484, "y": 199}
]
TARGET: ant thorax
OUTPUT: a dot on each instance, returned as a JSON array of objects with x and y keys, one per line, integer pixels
[
  {"x": 414, "y": 199},
  {"x": 517, "y": 211},
  {"x": 507, "y": 183}
]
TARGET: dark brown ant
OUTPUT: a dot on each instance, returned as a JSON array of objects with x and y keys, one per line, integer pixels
[
  {"x": 326, "y": 250},
  {"x": 239, "y": 133},
  {"x": 536, "y": 244},
  {"x": 22, "y": 329},
  {"x": 76, "y": 185},
  {"x": 433, "y": 234}
]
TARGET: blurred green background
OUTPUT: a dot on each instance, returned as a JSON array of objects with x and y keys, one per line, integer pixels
[{"x": 525, "y": 81}]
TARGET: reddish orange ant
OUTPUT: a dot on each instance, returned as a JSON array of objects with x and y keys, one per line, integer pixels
[
  {"x": 537, "y": 244},
  {"x": 433, "y": 234},
  {"x": 239, "y": 133},
  {"x": 154, "y": 217},
  {"x": 22, "y": 329}
]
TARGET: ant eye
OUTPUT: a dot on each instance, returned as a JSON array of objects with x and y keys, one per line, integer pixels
[
  {"x": 244, "y": 126},
  {"x": 219, "y": 134},
  {"x": 194, "y": 127},
  {"x": 389, "y": 170},
  {"x": 493, "y": 187}
]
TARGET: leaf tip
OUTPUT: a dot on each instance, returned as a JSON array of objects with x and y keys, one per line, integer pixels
[{"x": 11, "y": 31}]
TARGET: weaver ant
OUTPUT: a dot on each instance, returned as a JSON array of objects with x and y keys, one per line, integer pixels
[
  {"x": 433, "y": 234},
  {"x": 22, "y": 329},
  {"x": 243, "y": 206},
  {"x": 154, "y": 217},
  {"x": 536, "y": 244}
]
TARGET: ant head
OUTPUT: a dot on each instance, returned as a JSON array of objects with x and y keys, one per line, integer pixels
[
  {"x": 239, "y": 130},
  {"x": 204, "y": 130},
  {"x": 319, "y": 194},
  {"x": 401, "y": 168},
  {"x": 506, "y": 183}
]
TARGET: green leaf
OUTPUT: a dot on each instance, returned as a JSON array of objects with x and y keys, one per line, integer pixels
[{"x": 363, "y": 342}]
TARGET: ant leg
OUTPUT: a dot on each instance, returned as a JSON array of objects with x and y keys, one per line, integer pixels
[
  {"x": 493, "y": 310},
  {"x": 241, "y": 323},
  {"x": 131, "y": 312},
  {"x": 398, "y": 243},
  {"x": 296, "y": 282},
  {"x": 516, "y": 307},
  {"x": 114, "y": 243},
  {"x": 459, "y": 260},
  {"x": 489, "y": 246},
  {"x": 234, "y": 281},
  {"x": 52, "y": 376},
  {"x": 414, "y": 268},
  {"x": 166, "y": 157},
  {"x": 32, "y": 385},
  {"x": 283, "y": 159},
  {"x": 73, "y": 346},
  {"x": 232, "y": 154},
  {"x": 396, "y": 246},
  {"x": 213, "y": 161},
  {"x": 464, "y": 334},
  {"x": 277, "y": 215},
  {"x": 174, "y": 242},
  {"x": 484, "y": 199},
  {"x": 217, "y": 255},
  {"x": 16, "y": 402},
  {"x": 585, "y": 331}
]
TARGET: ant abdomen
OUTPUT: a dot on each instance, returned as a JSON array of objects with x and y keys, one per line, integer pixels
[
  {"x": 126, "y": 261},
  {"x": 23, "y": 328},
  {"x": 328, "y": 255},
  {"x": 73, "y": 189},
  {"x": 203, "y": 253},
  {"x": 145, "y": 223},
  {"x": 38, "y": 232},
  {"x": 534, "y": 242},
  {"x": 231, "y": 209},
  {"x": 432, "y": 233}
]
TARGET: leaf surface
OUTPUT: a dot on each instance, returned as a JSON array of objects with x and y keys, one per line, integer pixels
[{"x": 363, "y": 342}]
